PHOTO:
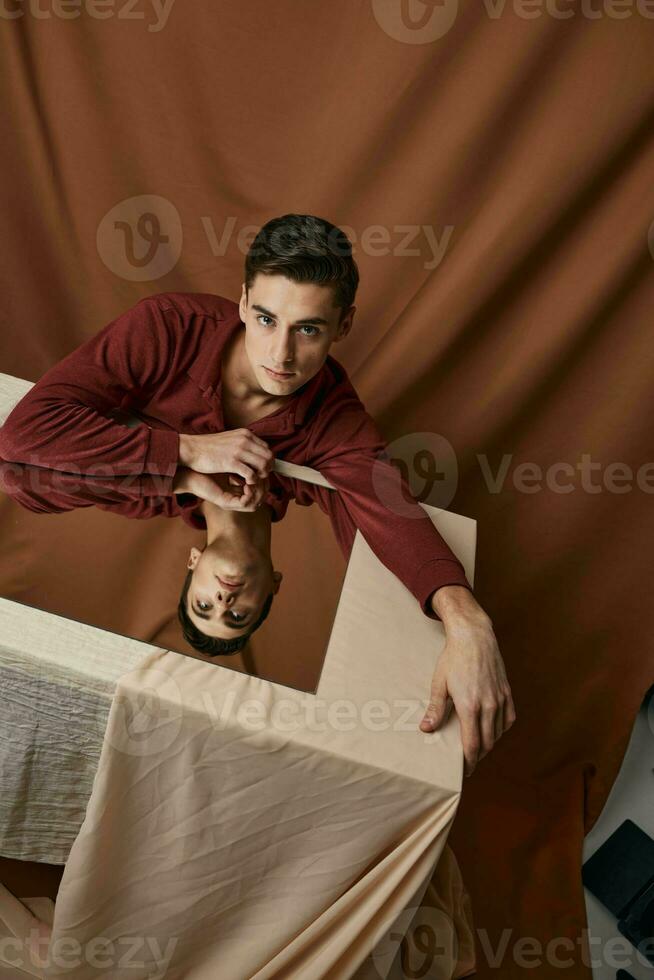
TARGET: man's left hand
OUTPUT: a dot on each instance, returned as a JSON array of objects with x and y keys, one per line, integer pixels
[{"x": 470, "y": 675}]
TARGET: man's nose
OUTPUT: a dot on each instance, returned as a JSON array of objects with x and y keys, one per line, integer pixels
[
  {"x": 283, "y": 355},
  {"x": 225, "y": 595}
]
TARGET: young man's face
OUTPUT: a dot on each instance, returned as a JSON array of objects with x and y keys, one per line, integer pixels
[
  {"x": 290, "y": 327},
  {"x": 226, "y": 610}
]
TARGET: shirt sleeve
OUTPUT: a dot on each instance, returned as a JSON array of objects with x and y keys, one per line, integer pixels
[
  {"x": 346, "y": 448},
  {"x": 47, "y": 491},
  {"x": 62, "y": 423}
]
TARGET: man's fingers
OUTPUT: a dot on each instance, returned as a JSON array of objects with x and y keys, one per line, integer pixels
[
  {"x": 260, "y": 483},
  {"x": 220, "y": 499},
  {"x": 490, "y": 724},
  {"x": 436, "y": 711},
  {"x": 237, "y": 503},
  {"x": 259, "y": 462},
  {"x": 499, "y": 722},
  {"x": 470, "y": 737},
  {"x": 252, "y": 493},
  {"x": 254, "y": 438},
  {"x": 256, "y": 451},
  {"x": 227, "y": 499},
  {"x": 248, "y": 474},
  {"x": 482, "y": 727},
  {"x": 247, "y": 499},
  {"x": 506, "y": 714}
]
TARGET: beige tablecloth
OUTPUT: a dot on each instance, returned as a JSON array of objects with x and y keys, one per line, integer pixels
[
  {"x": 240, "y": 829},
  {"x": 261, "y": 831}
]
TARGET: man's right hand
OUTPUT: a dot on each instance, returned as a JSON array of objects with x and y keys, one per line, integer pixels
[{"x": 233, "y": 451}]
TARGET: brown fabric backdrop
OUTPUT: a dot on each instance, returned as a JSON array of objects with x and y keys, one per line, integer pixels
[{"x": 529, "y": 137}]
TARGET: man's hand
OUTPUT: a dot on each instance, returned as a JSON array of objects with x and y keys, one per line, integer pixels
[
  {"x": 470, "y": 675},
  {"x": 223, "y": 489},
  {"x": 233, "y": 451}
]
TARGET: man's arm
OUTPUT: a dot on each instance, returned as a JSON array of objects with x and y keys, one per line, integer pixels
[
  {"x": 62, "y": 423},
  {"x": 66, "y": 422},
  {"x": 470, "y": 671},
  {"x": 346, "y": 448},
  {"x": 48, "y": 491}
]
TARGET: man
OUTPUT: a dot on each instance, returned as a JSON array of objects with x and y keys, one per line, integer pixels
[{"x": 195, "y": 365}]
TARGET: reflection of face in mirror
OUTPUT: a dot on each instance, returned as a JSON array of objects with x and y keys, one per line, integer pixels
[
  {"x": 231, "y": 582},
  {"x": 220, "y": 559}
]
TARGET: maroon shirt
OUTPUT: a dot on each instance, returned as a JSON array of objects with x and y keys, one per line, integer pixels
[{"x": 161, "y": 361}]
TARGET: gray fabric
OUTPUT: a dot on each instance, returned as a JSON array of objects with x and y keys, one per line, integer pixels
[
  {"x": 57, "y": 682},
  {"x": 50, "y": 741}
]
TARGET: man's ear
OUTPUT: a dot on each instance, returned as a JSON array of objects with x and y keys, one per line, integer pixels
[
  {"x": 243, "y": 303},
  {"x": 345, "y": 325},
  {"x": 193, "y": 558},
  {"x": 277, "y": 581}
]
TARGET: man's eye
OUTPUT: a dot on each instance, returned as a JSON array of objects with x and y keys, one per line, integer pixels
[
  {"x": 236, "y": 617},
  {"x": 204, "y": 606},
  {"x": 262, "y": 316},
  {"x": 309, "y": 326}
]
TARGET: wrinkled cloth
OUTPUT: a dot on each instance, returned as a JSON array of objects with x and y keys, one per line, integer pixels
[
  {"x": 442, "y": 915},
  {"x": 262, "y": 831}
]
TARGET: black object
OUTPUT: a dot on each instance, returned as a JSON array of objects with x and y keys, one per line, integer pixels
[
  {"x": 623, "y": 975},
  {"x": 621, "y": 875},
  {"x": 621, "y": 869},
  {"x": 638, "y": 924}
]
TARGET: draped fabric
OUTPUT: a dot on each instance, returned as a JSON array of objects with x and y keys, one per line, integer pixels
[{"x": 492, "y": 163}]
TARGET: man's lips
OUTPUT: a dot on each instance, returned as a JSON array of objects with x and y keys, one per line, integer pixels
[
  {"x": 279, "y": 374},
  {"x": 232, "y": 585}
]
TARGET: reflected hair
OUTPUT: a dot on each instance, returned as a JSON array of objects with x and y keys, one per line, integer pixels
[
  {"x": 305, "y": 248},
  {"x": 214, "y": 646}
]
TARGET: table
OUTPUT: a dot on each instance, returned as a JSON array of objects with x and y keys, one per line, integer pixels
[{"x": 237, "y": 828}]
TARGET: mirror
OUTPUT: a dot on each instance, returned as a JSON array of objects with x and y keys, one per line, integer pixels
[{"x": 97, "y": 562}]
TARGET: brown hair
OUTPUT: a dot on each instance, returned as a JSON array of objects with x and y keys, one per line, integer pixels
[
  {"x": 305, "y": 248},
  {"x": 214, "y": 646}
]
